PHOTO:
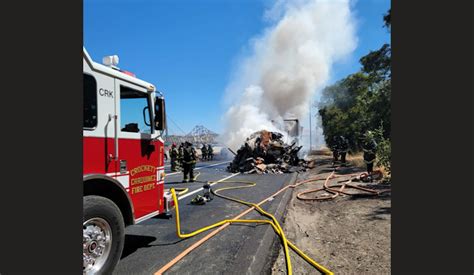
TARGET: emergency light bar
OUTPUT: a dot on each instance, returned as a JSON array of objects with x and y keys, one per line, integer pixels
[{"x": 111, "y": 60}]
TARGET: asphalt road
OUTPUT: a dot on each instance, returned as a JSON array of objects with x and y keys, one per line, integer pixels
[
  {"x": 237, "y": 249},
  {"x": 199, "y": 165}
]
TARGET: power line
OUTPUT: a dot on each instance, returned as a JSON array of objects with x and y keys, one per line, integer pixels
[{"x": 175, "y": 124}]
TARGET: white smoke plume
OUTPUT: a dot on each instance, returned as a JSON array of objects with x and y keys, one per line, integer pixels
[{"x": 288, "y": 64}]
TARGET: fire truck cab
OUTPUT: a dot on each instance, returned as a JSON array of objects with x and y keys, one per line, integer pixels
[{"x": 123, "y": 159}]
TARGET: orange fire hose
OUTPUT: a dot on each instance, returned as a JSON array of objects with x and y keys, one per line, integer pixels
[
  {"x": 336, "y": 192},
  {"x": 329, "y": 189},
  {"x": 222, "y": 227}
]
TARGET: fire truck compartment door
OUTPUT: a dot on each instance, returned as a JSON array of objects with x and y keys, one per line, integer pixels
[{"x": 138, "y": 153}]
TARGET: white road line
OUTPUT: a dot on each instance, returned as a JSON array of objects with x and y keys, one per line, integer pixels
[
  {"x": 215, "y": 164},
  {"x": 197, "y": 190}
]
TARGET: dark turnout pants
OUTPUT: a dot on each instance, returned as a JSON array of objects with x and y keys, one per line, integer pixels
[
  {"x": 188, "y": 170},
  {"x": 343, "y": 157},
  {"x": 335, "y": 155},
  {"x": 369, "y": 160},
  {"x": 370, "y": 167}
]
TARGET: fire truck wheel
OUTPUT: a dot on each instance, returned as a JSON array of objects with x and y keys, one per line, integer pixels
[{"x": 103, "y": 235}]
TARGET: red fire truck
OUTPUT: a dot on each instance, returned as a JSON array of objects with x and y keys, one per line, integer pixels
[{"x": 123, "y": 159}]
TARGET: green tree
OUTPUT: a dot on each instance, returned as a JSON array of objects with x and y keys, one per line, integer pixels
[
  {"x": 361, "y": 102},
  {"x": 387, "y": 19},
  {"x": 384, "y": 150},
  {"x": 377, "y": 64}
]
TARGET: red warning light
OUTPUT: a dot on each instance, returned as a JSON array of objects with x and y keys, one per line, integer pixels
[{"x": 128, "y": 73}]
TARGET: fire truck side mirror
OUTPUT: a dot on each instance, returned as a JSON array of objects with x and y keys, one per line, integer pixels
[{"x": 160, "y": 114}]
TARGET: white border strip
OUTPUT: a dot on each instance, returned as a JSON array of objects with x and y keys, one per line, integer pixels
[
  {"x": 146, "y": 217},
  {"x": 197, "y": 190}
]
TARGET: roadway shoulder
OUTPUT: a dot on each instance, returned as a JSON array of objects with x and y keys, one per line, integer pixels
[{"x": 262, "y": 248}]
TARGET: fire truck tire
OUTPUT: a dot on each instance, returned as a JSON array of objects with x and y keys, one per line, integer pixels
[{"x": 103, "y": 235}]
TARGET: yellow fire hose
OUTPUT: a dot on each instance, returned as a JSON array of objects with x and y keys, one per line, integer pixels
[
  {"x": 273, "y": 222},
  {"x": 182, "y": 190},
  {"x": 197, "y": 175}
]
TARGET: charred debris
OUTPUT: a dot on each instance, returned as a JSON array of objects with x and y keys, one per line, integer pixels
[{"x": 265, "y": 152}]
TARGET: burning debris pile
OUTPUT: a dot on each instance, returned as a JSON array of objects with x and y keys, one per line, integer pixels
[{"x": 265, "y": 152}]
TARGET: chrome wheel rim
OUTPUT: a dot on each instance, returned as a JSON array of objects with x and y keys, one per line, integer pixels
[{"x": 96, "y": 244}]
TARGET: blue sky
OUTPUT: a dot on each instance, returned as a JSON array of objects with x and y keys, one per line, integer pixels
[{"x": 189, "y": 48}]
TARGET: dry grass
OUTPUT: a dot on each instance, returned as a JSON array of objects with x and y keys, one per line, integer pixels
[
  {"x": 323, "y": 151},
  {"x": 384, "y": 171},
  {"x": 356, "y": 160}
]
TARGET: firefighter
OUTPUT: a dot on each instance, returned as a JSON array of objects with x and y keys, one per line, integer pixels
[
  {"x": 180, "y": 154},
  {"x": 204, "y": 153},
  {"x": 189, "y": 161},
  {"x": 370, "y": 147},
  {"x": 210, "y": 152},
  {"x": 174, "y": 154},
  {"x": 343, "y": 147}
]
